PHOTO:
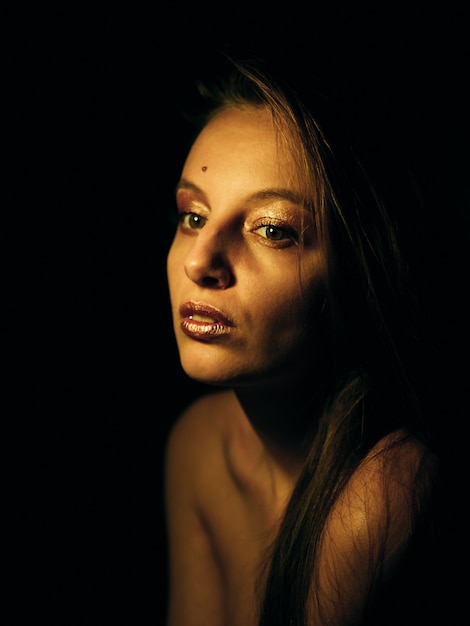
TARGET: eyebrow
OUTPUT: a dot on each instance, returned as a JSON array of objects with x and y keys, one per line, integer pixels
[{"x": 262, "y": 194}]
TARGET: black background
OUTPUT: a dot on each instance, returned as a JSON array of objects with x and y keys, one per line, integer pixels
[{"x": 95, "y": 143}]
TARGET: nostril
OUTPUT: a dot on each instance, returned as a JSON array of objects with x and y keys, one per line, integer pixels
[{"x": 209, "y": 281}]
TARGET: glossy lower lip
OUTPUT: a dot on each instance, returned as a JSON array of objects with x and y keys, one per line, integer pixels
[{"x": 204, "y": 322}]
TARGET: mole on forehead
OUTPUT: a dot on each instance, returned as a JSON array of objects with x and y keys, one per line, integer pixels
[{"x": 204, "y": 168}]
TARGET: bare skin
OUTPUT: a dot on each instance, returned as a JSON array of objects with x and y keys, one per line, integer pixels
[
  {"x": 242, "y": 315},
  {"x": 226, "y": 495},
  {"x": 225, "y": 505}
]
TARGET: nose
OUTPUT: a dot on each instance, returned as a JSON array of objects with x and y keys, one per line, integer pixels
[{"x": 207, "y": 262}]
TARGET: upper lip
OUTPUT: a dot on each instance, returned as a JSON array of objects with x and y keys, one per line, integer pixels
[{"x": 197, "y": 308}]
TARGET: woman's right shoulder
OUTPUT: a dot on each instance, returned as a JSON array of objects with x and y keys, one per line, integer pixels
[
  {"x": 200, "y": 428},
  {"x": 207, "y": 410}
]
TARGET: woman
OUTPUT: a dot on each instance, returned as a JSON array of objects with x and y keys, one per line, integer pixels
[{"x": 299, "y": 492}]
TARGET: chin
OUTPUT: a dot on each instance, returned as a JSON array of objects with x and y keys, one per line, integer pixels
[
  {"x": 215, "y": 379},
  {"x": 205, "y": 370},
  {"x": 223, "y": 377}
]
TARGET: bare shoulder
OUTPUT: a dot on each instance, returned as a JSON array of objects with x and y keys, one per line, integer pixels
[
  {"x": 402, "y": 460},
  {"x": 205, "y": 416},
  {"x": 198, "y": 487},
  {"x": 398, "y": 474},
  {"x": 385, "y": 496},
  {"x": 374, "y": 520},
  {"x": 196, "y": 438}
]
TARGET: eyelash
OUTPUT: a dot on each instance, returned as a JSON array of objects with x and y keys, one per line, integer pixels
[{"x": 288, "y": 235}]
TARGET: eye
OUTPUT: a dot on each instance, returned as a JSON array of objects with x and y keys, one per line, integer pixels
[
  {"x": 276, "y": 233},
  {"x": 272, "y": 232},
  {"x": 192, "y": 221}
]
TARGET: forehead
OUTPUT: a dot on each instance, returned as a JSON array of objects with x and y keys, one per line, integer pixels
[
  {"x": 242, "y": 120},
  {"x": 242, "y": 141}
]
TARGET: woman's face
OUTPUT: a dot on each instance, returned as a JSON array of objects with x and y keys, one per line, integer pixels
[{"x": 245, "y": 296}]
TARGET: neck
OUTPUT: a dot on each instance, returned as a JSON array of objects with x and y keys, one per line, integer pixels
[{"x": 285, "y": 417}]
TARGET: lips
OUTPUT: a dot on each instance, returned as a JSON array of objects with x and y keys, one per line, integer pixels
[{"x": 202, "y": 321}]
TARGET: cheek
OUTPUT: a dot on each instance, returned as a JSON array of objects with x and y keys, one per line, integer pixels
[
  {"x": 293, "y": 294},
  {"x": 173, "y": 271},
  {"x": 173, "y": 262},
  {"x": 288, "y": 314}
]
